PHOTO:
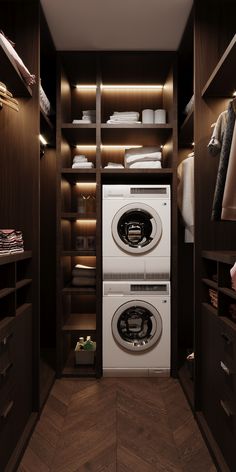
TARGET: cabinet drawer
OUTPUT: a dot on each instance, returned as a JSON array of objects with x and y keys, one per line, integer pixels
[
  {"x": 13, "y": 417},
  {"x": 6, "y": 333},
  {"x": 218, "y": 383}
]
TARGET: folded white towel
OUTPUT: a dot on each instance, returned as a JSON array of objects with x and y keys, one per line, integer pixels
[
  {"x": 83, "y": 121},
  {"x": 80, "y": 165},
  {"x": 123, "y": 122},
  {"x": 114, "y": 165},
  {"x": 146, "y": 165},
  {"x": 89, "y": 112},
  {"x": 80, "y": 158},
  {"x": 142, "y": 150},
  {"x": 155, "y": 156}
]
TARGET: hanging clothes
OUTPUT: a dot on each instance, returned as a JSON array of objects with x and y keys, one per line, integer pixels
[
  {"x": 229, "y": 197},
  {"x": 223, "y": 163},
  {"x": 185, "y": 195}
]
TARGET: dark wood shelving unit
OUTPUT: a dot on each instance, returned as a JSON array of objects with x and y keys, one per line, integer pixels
[
  {"x": 95, "y": 68},
  {"x": 80, "y": 322}
]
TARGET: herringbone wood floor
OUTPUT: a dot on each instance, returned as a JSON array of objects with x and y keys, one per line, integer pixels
[{"x": 116, "y": 425}]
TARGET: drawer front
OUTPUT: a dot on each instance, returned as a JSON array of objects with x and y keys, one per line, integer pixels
[
  {"x": 227, "y": 344},
  {"x": 16, "y": 389},
  {"x": 218, "y": 383}
]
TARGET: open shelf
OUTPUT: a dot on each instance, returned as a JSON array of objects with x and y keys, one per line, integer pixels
[
  {"x": 80, "y": 322},
  {"x": 77, "y": 216},
  {"x": 23, "y": 283},
  {"x": 79, "y": 290},
  {"x": 15, "y": 257},
  {"x": 210, "y": 283},
  {"x": 5, "y": 292},
  {"x": 136, "y": 126},
  {"x": 221, "y": 83}
]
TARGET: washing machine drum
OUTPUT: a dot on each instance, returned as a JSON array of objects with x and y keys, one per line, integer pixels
[
  {"x": 136, "y": 228},
  {"x": 136, "y": 325}
]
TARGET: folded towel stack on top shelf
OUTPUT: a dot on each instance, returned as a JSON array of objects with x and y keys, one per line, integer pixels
[
  {"x": 88, "y": 116},
  {"x": 81, "y": 162},
  {"x": 145, "y": 157},
  {"x": 11, "y": 242},
  {"x": 125, "y": 117},
  {"x": 84, "y": 276}
]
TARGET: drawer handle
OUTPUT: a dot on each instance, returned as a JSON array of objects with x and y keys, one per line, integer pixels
[
  {"x": 226, "y": 338},
  {"x": 5, "y": 340},
  {"x": 226, "y": 408},
  {"x": 225, "y": 368},
  {"x": 3, "y": 373},
  {"x": 7, "y": 410}
]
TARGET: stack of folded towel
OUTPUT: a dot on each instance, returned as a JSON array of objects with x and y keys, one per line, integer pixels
[
  {"x": 11, "y": 242},
  {"x": 88, "y": 116},
  {"x": 6, "y": 98},
  {"x": 144, "y": 157},
  {"x": 113, "y": 165},
  {"x": 81, "y": 162},
  {"x": 84, "y": 276},
  {"x": 124, "y": 117}
]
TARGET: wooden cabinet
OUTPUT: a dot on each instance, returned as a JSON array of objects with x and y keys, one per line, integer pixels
[
  {"x": 22, "y": 177},
  {"x": 103, "y": 82},
  {"x": 217, "y": 351}
]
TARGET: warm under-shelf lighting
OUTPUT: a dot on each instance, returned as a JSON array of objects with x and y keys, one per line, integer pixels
[
  {"x": 86, "y": 221},
  {"x": 234, "y": 94},
  {"x": 120, "y": 146},
  {"x": 42, "y": 140},
  {"x": 193, "y": 144},
  {"x": 131, "y": 87},
  {"x": 86, "y": 146},
  {"x": 86, "y": 87},
  {"x": 86, "y": 184}
]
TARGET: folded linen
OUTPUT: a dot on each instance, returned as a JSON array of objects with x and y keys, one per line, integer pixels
[
  {"x": 142, "y": 150},
  {"x": 146, "y": 165},
  {"x": 114, "y": 165},
  {"x": 44, "y": 102},
  {"x": 147, "y": 157},
  {"x": 80, "y": 158},
  {"x": 124, "y": 122},
  {"x": 83, "y": 121},
  {"x": 81, "y": 165}
]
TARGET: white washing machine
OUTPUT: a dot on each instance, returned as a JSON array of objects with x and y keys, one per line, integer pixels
[
  {"x": 136, "y": 232},
  {"x": 136, "y": 328}
]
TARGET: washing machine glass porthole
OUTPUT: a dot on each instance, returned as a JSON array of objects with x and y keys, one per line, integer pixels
[
  {"x": 136, "y": 228},
  {"x": 137, "y": 326}
]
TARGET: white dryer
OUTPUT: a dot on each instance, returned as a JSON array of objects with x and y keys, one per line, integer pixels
[
  {"x": 136, "y": 328},
  {"x": 136, "y": 232}
]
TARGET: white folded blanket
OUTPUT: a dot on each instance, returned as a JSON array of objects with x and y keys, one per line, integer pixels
[
  {"x": 80, "y": 158},
  {"x": 146, "y": 165},
  {"x": 82, "y": 266},
  {"x": 127, "y": 122},
  {"x": 83, "y": 121},
  {"x": 155, "y": 156},
  {"x": 80, "y": 165},
  {"x": 142, "y": 150},
  {"x": 114, "y": 165}
]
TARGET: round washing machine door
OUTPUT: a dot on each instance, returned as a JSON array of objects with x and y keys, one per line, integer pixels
[
  {"x": 136, "y": 228},
  {"x": 136, "y": 326}
]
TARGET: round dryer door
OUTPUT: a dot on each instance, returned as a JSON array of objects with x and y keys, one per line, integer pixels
[
  {"x": 136, "y": 228},
  {"x": 136, "y": 325}
]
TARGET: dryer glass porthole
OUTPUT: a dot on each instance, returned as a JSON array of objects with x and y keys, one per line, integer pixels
[
  {"x": 136, "y": 228},
  {"x": 136, "y": 325}
]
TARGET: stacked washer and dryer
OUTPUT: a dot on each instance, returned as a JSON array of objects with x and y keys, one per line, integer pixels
[{"x": 136, "y": 280}]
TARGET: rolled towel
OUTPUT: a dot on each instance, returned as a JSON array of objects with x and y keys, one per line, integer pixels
[{"x": 83, "y": 121}]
